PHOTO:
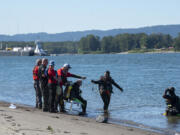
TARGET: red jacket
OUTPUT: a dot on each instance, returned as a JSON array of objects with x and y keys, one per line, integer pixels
[
  {"x": 63, "y": 76},
  {"x": 51, "y": 75},
  {"x": 35, "y": 73}
]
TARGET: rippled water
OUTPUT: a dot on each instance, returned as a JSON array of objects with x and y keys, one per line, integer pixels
[{"x": 143, "y": 77}]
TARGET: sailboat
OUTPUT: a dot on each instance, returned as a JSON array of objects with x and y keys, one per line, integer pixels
[{"x": 39, "y": 50}]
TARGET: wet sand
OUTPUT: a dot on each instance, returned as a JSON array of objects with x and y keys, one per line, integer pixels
[{"x": 25, "y": 120}]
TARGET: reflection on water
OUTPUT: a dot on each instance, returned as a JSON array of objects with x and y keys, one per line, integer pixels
[{"x": 173, "y": 122}]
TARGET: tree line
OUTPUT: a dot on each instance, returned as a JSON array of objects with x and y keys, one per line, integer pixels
[
  {"x": 128, "y": 42},
  {"x": 119, "y": 43}
]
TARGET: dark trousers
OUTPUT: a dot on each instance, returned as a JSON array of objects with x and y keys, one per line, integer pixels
[
  {"x": 84, "y": 103},
  {"x": 38, "y": 94},
  {"x": 106, "y": 97},
  {"x": 52, "y": 94},
  {"x": 45, "y": 95}
]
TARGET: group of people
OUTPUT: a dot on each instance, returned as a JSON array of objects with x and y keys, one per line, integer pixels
[{"x": 52, "y": 87}]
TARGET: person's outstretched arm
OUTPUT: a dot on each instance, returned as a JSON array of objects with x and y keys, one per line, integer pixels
[
  {"x": 165, "y": 94},
  {"x": 116, "y": 85},
  {"x": 77, "y": 76},
  {"x": 96, "y": 82}
]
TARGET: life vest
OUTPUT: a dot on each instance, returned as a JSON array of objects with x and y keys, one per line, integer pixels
[
  {"x": 63, "y": 76},
  {"x": 35, "y": 73},
  {"x": 51, "y": 75}
]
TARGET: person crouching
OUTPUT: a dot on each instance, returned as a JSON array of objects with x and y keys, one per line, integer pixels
[{"x": 76, "y": 95}]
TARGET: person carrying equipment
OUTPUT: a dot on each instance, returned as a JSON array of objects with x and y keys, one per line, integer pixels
[
  {"x": 105, "y": 88},
  {"x": 36, "y": 84},
  {"x": 43, "y": 79},
  {"x": 75, "y": 95},
  {"x": 62, "y": 76},
  {"x": 52, "y": 83},
  {"x": 172, "y": 101}
]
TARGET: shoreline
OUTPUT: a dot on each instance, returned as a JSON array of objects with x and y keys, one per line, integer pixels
[
  {"x": 149, "y": 52},
  {"x": 26, "y": 120},
  {"x": 127, "y": 52}
]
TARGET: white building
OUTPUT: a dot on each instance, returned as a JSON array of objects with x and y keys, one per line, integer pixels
[
  {"x": 17, "y": 49},
  {"x": 27, "y": 49}
]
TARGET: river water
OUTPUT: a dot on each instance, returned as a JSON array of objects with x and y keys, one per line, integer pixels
[{"x": 144, "y": 77}]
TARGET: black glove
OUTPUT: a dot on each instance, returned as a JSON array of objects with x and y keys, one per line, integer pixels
[
  {"x": 167, "y": 90},
  {"x": 122, "y": 89}
]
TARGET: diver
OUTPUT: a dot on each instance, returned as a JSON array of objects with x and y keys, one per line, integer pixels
[
  {"x": 105, "y": 88},
  {"x": 63, "y": 73},
  {"x": 172, "y": 101},
  {"x": 36, "y": 84},
  {"x": 75, "y": 95}
]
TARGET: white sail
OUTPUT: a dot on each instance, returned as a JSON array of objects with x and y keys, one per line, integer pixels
[{"x": 38, "y": 50}]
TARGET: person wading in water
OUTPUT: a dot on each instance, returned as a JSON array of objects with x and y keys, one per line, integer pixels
[
  {"x": 105, "y": 88},
  {"x": 172, "y": 101}
]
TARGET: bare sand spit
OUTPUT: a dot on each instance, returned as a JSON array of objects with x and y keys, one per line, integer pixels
[{"x": 26, "y": 120}]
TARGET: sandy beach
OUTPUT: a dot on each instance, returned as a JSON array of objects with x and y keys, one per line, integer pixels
[{"x": 25, "y": 120}]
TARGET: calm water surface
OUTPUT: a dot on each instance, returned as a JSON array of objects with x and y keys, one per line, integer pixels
[{"x": 143, "y": 77}]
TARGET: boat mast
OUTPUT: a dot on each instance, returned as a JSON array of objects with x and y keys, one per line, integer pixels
[{"x": 1, "y": 46}]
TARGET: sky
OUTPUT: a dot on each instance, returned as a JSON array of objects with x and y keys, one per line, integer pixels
[{"x": 57, "y": 16}]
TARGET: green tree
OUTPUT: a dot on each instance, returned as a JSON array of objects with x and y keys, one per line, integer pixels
[
  {"x": 106, "y": 44},
  {"x": 143, "y": 41},
  {"x": 89, "y": 43},
  {"x": 177, "y": 42}
]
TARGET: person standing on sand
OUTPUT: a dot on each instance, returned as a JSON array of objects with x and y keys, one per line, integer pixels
[
  {"x": 36, "y": 84},
  {"x": 105, "y": 88},
  {"x": 43, "y": 79},
  {"x": 62, "y": 75},
  {"x": 52, "y": 83}
]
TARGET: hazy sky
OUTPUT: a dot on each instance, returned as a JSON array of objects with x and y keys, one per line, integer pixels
[{"x": 55, "y": 16}]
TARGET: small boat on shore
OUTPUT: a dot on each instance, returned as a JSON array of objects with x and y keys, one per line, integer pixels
[{"x": 39, "y": 50}]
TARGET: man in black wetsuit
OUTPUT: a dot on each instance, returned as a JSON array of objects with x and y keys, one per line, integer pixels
[
  {"x": 105, "y": 88},
  {"x": 43, "y": 79},
  {"x": 172, "y": 101},
  {"x": 76, "y": 95}
]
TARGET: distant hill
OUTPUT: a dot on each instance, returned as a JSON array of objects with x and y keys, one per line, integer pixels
[{"x": 173, "y": 30}]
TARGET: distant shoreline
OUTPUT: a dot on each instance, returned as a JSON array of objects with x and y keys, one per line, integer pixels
[
  {"x": 127, "y": 52},
  {"x": 149, "y": 52},
  {"x": 141, "y": 51}
]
